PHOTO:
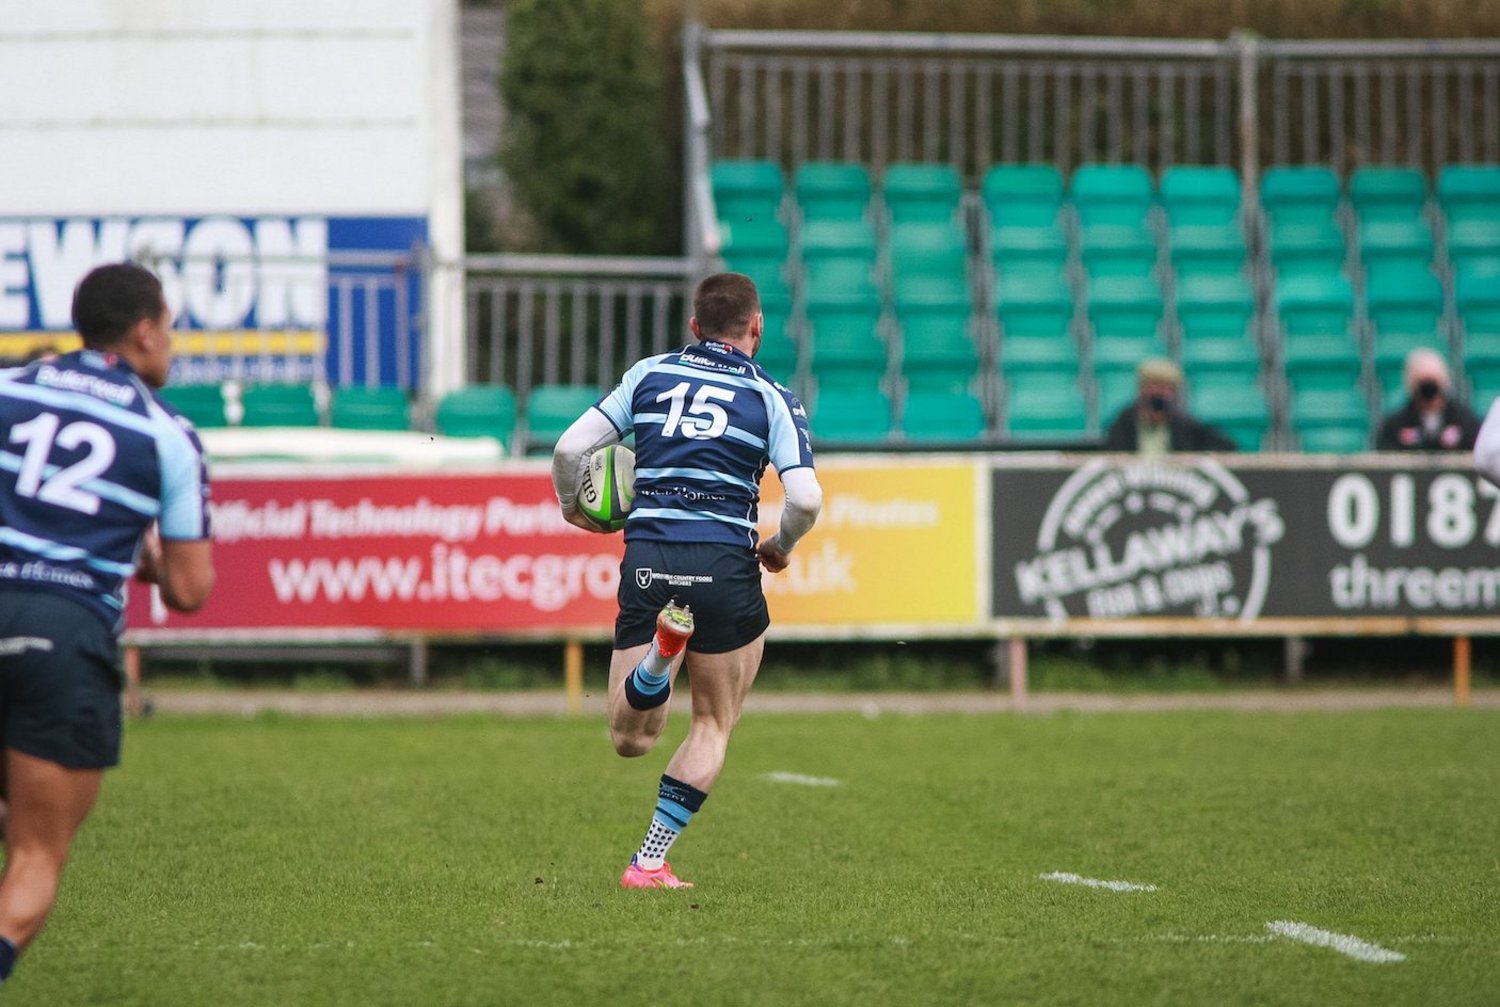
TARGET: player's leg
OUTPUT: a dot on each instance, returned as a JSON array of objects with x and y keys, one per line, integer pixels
[
  {"x": 48, "y": 803},
  {"x": 60, "y": 702},
  {"x": 720, "y": 684}
]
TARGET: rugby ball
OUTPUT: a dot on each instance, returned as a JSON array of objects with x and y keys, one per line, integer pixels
[{"x": 606, "y": 489}]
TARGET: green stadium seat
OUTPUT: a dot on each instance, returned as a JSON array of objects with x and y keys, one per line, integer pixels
[
  {"x": 1392, "y": 248},
  {"x": 1477, "y": 298},
  {"x": 1117, "y": 390},
  {"x": 1331, "y": 419},
  {"x": 1214, "y": 305},
  {"x": 1028, "y": 306},
  {"x": 936, "y": 292},
  {"x": 756, "y": 247},
  {"x": 929, "y": 250},
  {"x": 1382, "y": 193},
  {"x": 551, "y": 409},
  {"x": 279, "y": 406},
  {"x": 746, "y": 190},
  {"x": 1022, "y": 195},
  {"x": 835, "y": 278},
  {"x": 1334, "y": 440},
  {"x": 1123, "y": 354},
  {"x": 477, "y": 411},
  {"x": 838, "y": 238},
  {"x": 1024, "y": 357},
  {"x": 1018, "y": 251},
  {"x": 1209, "y": 358},
  {"x": 1046, "y": 412},
  {"x": 937, "y": 351},
  {"x": 1469, "y": 192},
  {"x": 1227, "y": 372},
  {"x": 1207, "y": 250},
  {"x": 1412, "y": 302},
  {"x": 1315, "y": 304},
  {"x": 839, "y": 255},
  {"x": 1124, "y": 306},
  {"x": 854, "y": 415},
  {"x": 1195, "y": 195},
  {"x": 1111, "y": 194},
  {"x": 1240, "y": 411},
  {"x": 1299, "y": 194},
  {"x": 942, "y": 416},
  {"x": 779, "y": 353},
  {"x": 370, "y": 409},
  {"x": 1481, "y": 355},
  {"x": 1305, "y": 248},
  {"x": 846, "y": 347},
  {"x": 1474, "y": 246},
  {"x": 831, "y": 190},
  {"x": 927, "y": 193},
  {"x": 1115, "y": 250},
  {"x": 1321, "y": 361},
  {"x": 201, "y": 405}
]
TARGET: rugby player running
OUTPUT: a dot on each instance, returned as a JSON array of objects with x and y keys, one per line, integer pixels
[
  {"x": 706, "y": 420},
  {"x": 98, "y": 480}
]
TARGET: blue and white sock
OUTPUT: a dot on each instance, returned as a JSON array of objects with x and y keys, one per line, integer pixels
[
  {"x": 676, "y": 803},
  {"x": 646, "y": 687}
]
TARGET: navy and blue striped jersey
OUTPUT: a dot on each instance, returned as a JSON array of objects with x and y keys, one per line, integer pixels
[
  {"x": 706, "y": 419},
  {"x": 89, "y": 457}
]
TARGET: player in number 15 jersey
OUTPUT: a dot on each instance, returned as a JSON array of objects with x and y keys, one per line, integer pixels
[
  {"x": 707, "y": 420},
  {"x": 98, "y": 481}
]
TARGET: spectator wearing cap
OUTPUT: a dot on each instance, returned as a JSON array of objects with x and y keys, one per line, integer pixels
[
  {"x": 1431, "y": 419},
  {"x": 1157, "y": 422}
]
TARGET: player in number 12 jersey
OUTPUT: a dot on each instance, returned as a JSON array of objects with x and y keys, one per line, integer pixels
[
  {"x": 707, "y": 420},
  {"x": 98, "y": 481}
]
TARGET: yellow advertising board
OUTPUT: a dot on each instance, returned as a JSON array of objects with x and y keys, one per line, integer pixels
[{"x": 896, "y": 543}]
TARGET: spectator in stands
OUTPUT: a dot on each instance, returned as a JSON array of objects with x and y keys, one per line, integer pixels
[
  {"x": 1431, "y": 418},
  {"x": 1156, "y": 422}
]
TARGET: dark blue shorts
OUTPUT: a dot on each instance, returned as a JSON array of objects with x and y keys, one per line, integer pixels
[
  {"x": 721, "y": 583},
  {"x": 59, "y": 681}
]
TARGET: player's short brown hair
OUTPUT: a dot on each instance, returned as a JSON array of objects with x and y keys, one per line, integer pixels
[{"x": 724, "y": 304}]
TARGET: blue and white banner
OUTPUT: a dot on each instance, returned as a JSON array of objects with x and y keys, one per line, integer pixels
[{"x": 267, "y": 298}]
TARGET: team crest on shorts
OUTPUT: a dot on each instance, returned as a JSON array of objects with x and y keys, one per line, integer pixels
[{"x": 643, "y": 577}]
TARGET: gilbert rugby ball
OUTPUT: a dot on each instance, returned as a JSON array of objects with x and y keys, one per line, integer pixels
[{"x": 607, "y": 487}]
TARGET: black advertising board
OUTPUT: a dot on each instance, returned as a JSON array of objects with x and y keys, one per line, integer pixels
[{"x": 1112, "y": 538}]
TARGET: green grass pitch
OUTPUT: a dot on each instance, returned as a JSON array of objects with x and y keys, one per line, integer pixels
[{"x": 474, "y": 861}]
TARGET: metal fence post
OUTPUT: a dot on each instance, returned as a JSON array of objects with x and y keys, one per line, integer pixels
[{"x": 1247, "y": 49}]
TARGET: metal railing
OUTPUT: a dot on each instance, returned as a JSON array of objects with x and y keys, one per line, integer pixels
[
  {"x": 557, "y": 319},
  {"x": 971, "y": 100},
  {"x": 978, "y": 100},
  {"x": 1420, "y": 103}
]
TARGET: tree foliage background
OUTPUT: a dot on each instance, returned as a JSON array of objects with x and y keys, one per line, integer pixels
[{"x": 587, "y": 137}]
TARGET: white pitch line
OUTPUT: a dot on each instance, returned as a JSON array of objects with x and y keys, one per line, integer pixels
[
  {"x": 805, "y": 781},
  {"x": 1114, "y": 886},
  {"x": 1342, "y": 943}
]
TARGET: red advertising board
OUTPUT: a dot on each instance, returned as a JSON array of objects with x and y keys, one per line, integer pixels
[{"x": 430, "y": 553}]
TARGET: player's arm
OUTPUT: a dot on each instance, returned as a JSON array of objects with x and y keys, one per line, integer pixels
[
  {"x": 590, "y": 432},
  {"x": 180, "y": 545},
  {"x": 791, "y": 452},
  {"x": 804, "y": 501},
  {"x": 1487, "y": 446}
]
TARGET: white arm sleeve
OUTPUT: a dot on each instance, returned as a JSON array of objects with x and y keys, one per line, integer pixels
[
  {"x": 804, "y": 499},
  {"x": 1487, "y": 446},
  {"x": 588, "y": 434}
]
